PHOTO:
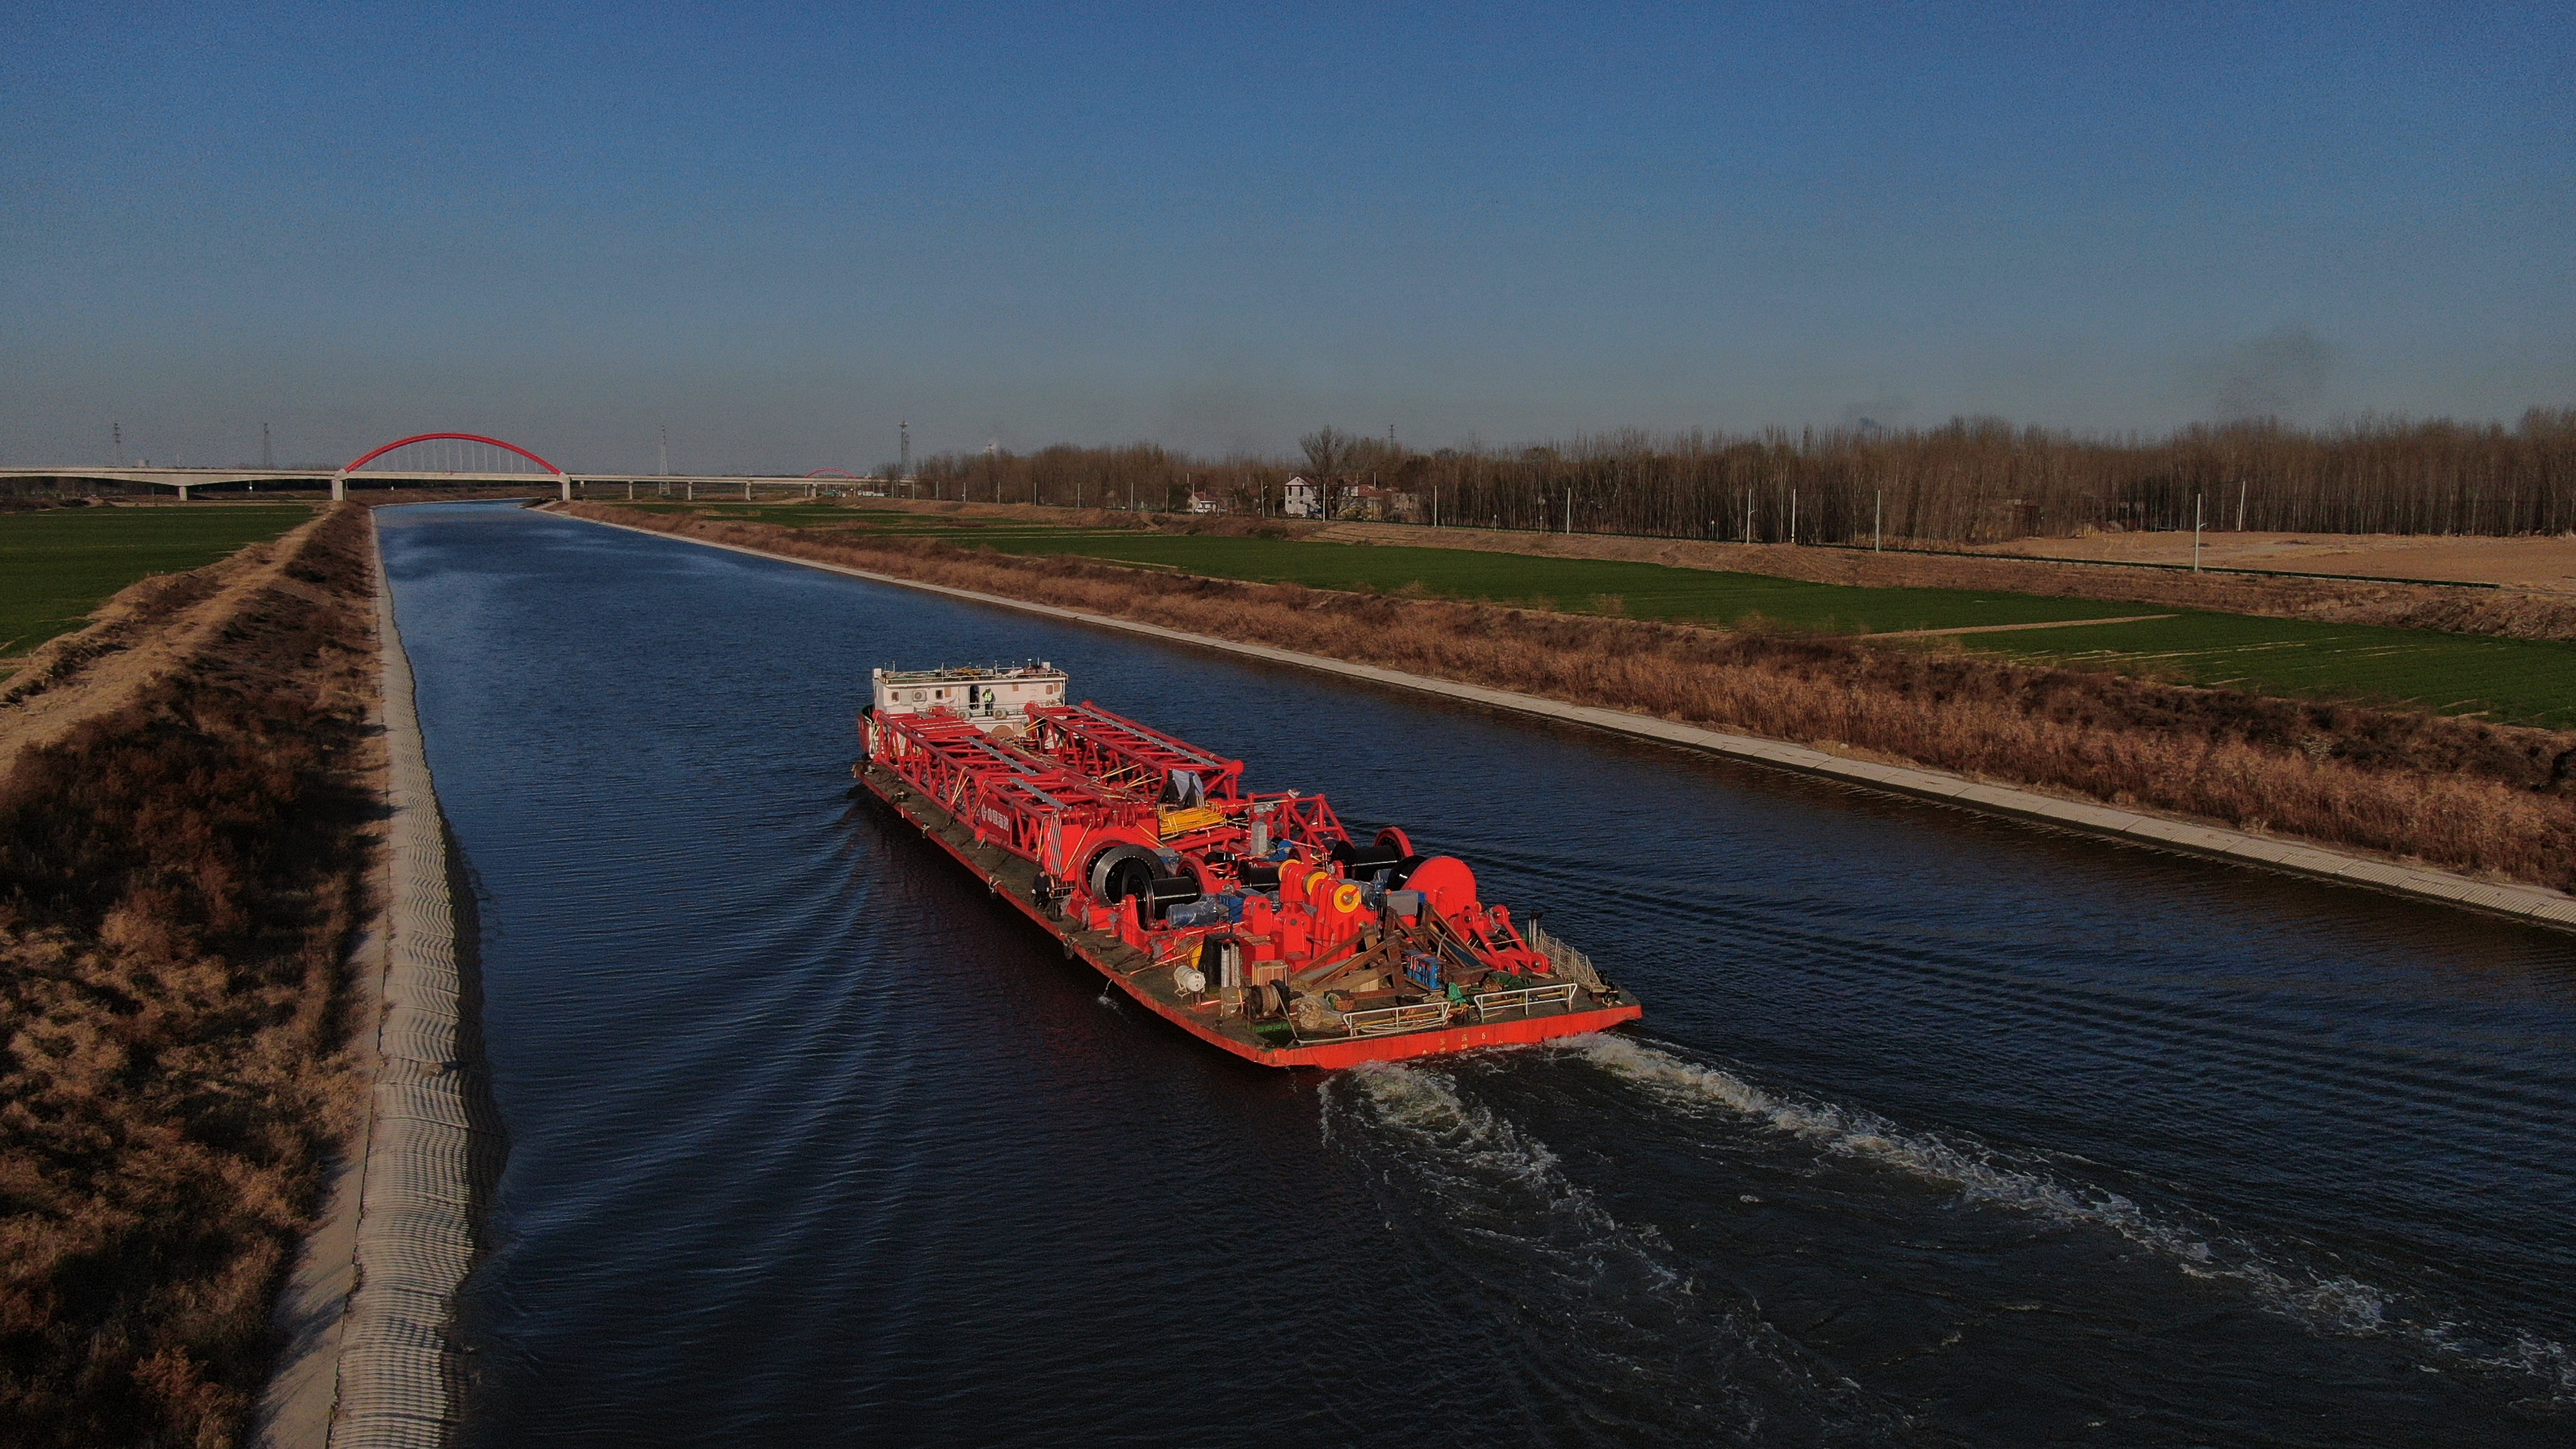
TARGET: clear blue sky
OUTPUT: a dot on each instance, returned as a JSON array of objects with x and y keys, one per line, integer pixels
[{"x": 776, "y": 229}]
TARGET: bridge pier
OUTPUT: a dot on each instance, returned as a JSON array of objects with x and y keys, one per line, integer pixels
[
  {"x": 567, "y": 490},
  {"x": 339, "y": 487},
  {"x": 183, "y": 492}
]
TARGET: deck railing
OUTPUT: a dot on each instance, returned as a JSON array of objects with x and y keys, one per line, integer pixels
[
  {"x": 1568, "y": 961},
  {"x": 1523, "y": 1001},
  {"x": 1387, "y": 1020},
  {"x": 1424, "y": 1015}
]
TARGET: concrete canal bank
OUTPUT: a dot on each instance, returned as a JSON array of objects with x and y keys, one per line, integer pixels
[
  {"x": 376, "y": 1364},
  {"x": 2538, "y": 906}
]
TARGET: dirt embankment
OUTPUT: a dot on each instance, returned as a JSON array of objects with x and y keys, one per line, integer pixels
[
  {"x": 185, "y": 808},
  {"x": 139, "y": 636},
  {"x": 2528, "y": 562},
  {"x": 2456, "y": 794},
  {"x": 2507, "y": 612}
]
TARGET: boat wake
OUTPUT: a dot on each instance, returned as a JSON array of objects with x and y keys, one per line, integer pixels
[
  {"x": 1595, "y": 1309},
  {"x": 2335, "y": 1304}
]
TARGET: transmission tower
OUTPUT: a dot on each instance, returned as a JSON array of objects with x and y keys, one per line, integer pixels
[
  {"x": 267, "y": 454},
  {"x": 116, "y": 431},
  {"x": 903, "y": 435}
]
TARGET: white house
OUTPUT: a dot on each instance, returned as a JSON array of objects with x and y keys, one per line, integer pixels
[
  {"x": 1205, "y": 503},
  {"x": 1305, "y": 499}
]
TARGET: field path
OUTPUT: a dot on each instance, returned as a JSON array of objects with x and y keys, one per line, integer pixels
[
  {"x": 2011, "y": 628},
  {"x": 144, "y": 632}
]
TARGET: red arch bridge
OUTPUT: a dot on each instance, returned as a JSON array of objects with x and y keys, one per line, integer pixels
[{"x": 460, "y": 455}]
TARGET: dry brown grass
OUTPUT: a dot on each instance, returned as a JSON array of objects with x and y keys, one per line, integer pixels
[
  {"x": 180, "y": 878},
  {"x": 2454, "y": 793}
]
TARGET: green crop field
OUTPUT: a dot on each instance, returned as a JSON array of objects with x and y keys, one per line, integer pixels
[
  {"x": 1637, "y": 590},
  {"x": 57, "y": 564},
  {"x": 2511, "y": 681},
  {"x": 2516, "y": 681}
]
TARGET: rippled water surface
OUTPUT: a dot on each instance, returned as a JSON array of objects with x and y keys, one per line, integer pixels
[{"x": 1938, "y": 1130}]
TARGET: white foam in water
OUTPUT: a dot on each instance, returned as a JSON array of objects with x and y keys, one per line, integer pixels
[
  {"x": 2327, "y": 1305},
  {"x": 1612, "y": 1279},
  {"x": 1459, "y": 1144}
]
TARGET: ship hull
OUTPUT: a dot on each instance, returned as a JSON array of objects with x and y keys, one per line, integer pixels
[{"x": 1132, "y": 972}]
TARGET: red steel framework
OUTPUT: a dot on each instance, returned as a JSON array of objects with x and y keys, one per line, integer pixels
[
  {"x": 364, "y": 460},
  {"x": 1270, "y": 885},
  {"x": 1024, "y": 803},
  {"x": 1119, "y": 751},
  {"x": 340, "y": 480}
]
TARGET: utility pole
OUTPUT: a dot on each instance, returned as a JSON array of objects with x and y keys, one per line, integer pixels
[
  {"x": 1793, "y": 515},
  {"x": 2240, "y": 505},
  {"x": 1877, "y": 520},
  {"x": 666, "y": 450},
  {"x": 993, "y": 467},
  {"x": 2195, "y": 533},
  {"x": 903, "y": 436}
]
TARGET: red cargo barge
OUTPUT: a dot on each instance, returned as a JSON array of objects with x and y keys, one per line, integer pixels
[{"x": 1253, "y": 921}]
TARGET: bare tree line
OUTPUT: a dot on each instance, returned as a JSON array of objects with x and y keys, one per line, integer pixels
[
  {"x": 1972, "y": 480},
  {"x": 1142, "y": 476}
]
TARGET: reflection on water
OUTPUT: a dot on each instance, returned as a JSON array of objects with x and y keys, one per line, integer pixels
[{"x": 1939, "y": 1129}]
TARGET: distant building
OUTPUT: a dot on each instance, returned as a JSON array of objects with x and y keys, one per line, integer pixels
[
  {"x": 1388, "y": 505},
  {"x": 1205, "y": 503},
  {"x": 1305, "y": 499}
]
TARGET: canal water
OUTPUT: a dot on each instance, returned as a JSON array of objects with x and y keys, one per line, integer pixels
[{"x": 1939, "y": 1130}]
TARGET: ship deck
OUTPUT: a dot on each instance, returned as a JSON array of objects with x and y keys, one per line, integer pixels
[{"x": 1272, "y": 1044}]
